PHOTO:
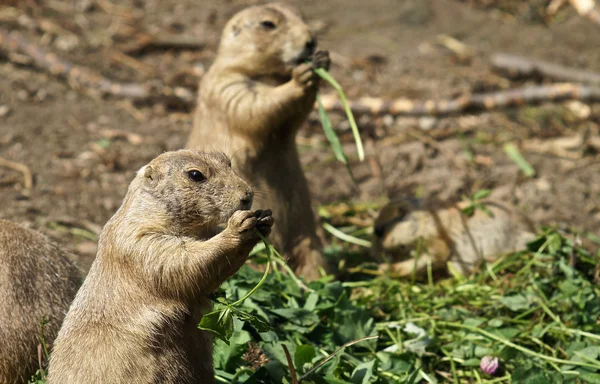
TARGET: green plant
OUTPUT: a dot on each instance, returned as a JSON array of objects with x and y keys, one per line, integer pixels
[{"x": 476, "y": 202}]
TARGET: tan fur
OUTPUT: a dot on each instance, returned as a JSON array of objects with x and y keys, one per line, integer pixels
[
  {"x": 135, "y": 318},
  {"x": 447, "y": 235},
  {"x": 37, "y": 280},
  {"x": 251, "y": 103}
]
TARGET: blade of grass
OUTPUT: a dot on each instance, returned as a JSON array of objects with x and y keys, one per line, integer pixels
[
  {"x": 520, "y": 348},
  {"x": 334, "y": 141},
  {"x": 345, "y": 237},
  {"x": 327, "y": 77},
  {"x": 331, "y": 356},
  {"x": 515, "y": 155}
]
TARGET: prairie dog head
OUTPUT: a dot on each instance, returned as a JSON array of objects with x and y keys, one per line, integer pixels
[
  {"x": 401, "y": 223},
  {"x": 267, "y": 39},
  {"x": 193, "y": 190}
]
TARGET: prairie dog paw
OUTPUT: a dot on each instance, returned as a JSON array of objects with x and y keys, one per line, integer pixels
[
  {"x": 264, "y": 221},
  {"x": 304, "y": 75},
  {"x": 321, "y": 60},
  {"x": 241, "y": 222}
]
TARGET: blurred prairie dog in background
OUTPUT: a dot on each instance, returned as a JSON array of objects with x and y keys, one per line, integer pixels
[
  {"x": 251, "y": 103},
  {"x": 447, "y": 235},
  {"x": 37, "y": 281}
]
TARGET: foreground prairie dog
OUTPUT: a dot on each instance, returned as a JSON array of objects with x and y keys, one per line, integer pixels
[
  {"x": 37, "y": 280},
  {"x": 447, "y": 235},
  {"x": 251, "y": 103},
  {"x": 135, "y": 318}
]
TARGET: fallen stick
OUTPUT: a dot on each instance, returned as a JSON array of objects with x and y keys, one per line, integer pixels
[
  {"x": 85, "y": 79},
  {"x": 518, "y": 67},
  {"x": 147, "y": 42},
  {"x": 473, "y": 102},
  {"x": 24, "y": 170}
]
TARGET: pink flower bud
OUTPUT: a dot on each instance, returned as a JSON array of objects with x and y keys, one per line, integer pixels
[{"x": 489, "y": 364}]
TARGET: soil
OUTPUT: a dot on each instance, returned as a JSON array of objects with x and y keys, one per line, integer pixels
[{"x": 84, "y": 150}]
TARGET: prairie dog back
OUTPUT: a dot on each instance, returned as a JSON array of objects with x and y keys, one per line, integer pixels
[{"x": 37, "y": 280}]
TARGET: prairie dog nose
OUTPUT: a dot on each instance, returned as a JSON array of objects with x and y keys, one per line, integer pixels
[
  {"x": 311, "y": 45},
  {"x": 247, "y": 199}
]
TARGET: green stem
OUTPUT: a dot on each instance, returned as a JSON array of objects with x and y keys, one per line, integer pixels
[
  {"x": 264, "y": 277},
  {"x": 518, "y": 347},
  {"x": 345, "y": 237},
  {"x": 327, "y": 77}
]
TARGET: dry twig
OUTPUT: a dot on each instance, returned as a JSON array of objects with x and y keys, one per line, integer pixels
[
  {"x": 85, "y": 79},
  {"x": 88, "y": 80},
  {"x": 23, "y": 169},
  {"x": 145, "y": 42},
  {"x": 517, "y": 67},
  {"x": 474, "y": 102}
]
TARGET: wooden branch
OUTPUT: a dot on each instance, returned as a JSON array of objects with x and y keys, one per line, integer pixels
[
  {"x": 474, "y": 102},
  {"x": 14, "y": 43},
  {"x": 85, "y": 79},
  {"x": 24, "y": 170},
  {"x": 145, "y": 42},
  {"x": 518, "y": 67}
]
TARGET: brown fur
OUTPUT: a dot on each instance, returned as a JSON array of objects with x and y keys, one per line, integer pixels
[
  {"x": 37, "y": 280},
  {"x": 252, "y": 101},
  {"x": 447, "y": 235},
  {"x": 135, "y": 318}
]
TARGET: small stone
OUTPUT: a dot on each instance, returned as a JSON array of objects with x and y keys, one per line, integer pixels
[
  {"x": 4, "y": 110},
  {"x": 427, "y": 122},
  {"x": 580, "y": 110},
  {"x": 388, "y": 120}
]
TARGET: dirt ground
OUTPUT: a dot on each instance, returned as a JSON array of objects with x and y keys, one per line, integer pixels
[{"x": 83, "y": 150}]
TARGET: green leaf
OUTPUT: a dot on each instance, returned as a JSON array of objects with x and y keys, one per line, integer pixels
[
  {"x": 304, "y": 355},
  {"x": 330, "y": 134},
  {"x": 334, "y": 380},
  {"x": 471, "y": 362},
  {"x": 481, "y": 194},
  {"x": 256, "y": 322},
  {"x": 229, "y": 357},
  {"x": 311, "y": 301},
  {"x": 587, "y": 354},
  {"x": 363, "y": 373},
  {"x": 589, "y": 378},
  {"x": 468, "y": 211},
  {"x": 515, "y": 155},
  {"x": 219, "y": 322},
  {"x": 554, "y": 243},
  {"x": 516, "y": 303}
]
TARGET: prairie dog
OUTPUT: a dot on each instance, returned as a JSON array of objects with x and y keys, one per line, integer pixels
[
  {"x": 37, "y": 280},
  {"x": 135, "y": 318},
  {"x": 251, "y": 103},
  {"x": 447, "y": 235}
]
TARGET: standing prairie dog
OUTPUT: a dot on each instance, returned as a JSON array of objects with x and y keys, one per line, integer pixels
[
  {"x": 37, "y": 281},
  {"x": 135, "y": 318},
  {"x": 447, "y": 235},
  {"x": 251, "y": 103}
]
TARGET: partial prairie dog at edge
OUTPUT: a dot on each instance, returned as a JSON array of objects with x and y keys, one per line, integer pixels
[
  {"x": 251, "y": 104},
  {"x": 447, "y": 235},
  {"x": 37, "y": 281},
  {"x": 135, "y": 318}
]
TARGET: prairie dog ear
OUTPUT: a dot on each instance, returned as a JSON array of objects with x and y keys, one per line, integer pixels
[{"x": 150, "y": 175}]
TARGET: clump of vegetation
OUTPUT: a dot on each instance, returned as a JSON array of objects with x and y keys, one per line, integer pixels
[{"x": 530, "y": 317}]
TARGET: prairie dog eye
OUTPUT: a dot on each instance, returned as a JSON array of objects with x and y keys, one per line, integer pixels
[
  {"x": 196, "y": 176},
  {"x": 268, "y": 24}
]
